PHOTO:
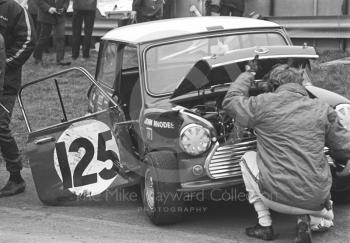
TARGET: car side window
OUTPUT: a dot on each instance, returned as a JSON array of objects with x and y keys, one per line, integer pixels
[
  {"x": 108, "y": 65},
  {"x": 130, "y": 58},
  {"x": 128, "y": 88}
]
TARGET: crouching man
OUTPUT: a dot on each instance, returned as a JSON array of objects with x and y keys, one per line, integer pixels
[{"x": 289, "y": 173}]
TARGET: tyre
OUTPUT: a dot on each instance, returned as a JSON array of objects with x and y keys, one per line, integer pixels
[{"x": 162, "y": 203}]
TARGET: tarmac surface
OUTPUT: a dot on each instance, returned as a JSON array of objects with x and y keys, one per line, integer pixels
[{"x": 23, "y": 218}]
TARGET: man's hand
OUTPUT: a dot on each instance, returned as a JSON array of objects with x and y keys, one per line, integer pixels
[
  {"x": 60, "y": 11},
  {"x": 252, "y": 66},
  {"x": 52, "y": 10}
]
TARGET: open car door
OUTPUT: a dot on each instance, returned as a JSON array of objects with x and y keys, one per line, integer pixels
[{"x": 74, "y": 146}]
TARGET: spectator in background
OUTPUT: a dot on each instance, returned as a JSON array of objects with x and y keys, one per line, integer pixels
[
  {"x": 168, "y": 9},
  {"x": 33, "y": 11},
  {"x": 345, "y": 7},
  {"x": 18, "y": 41},
  {"x": 232, "y": 7},
  {"x": 148, "y": 10},
  {"x": 51, "y": 15},
  {"x": 83, "y": 11},
  {"x": 212, "y": 7}
]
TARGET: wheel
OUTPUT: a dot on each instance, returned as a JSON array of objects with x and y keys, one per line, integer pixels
[{"x": 162, "y": 203}]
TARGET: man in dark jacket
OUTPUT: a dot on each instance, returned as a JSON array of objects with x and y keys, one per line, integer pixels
[
  {"x": 51, "y": 15},
  {"x": 19, "y": 36},
  {"x": 289, "y": 173},
  {"x": 345, "y": 7},
  {"x": 83, "y": 11},
  {"x": 232, "y": 7},
  {"x": 168, "y": 9},
  {"x": 148, "y": 10},
  {"x": 212, "y": 7},
  {"x": 33, "y": 11}
]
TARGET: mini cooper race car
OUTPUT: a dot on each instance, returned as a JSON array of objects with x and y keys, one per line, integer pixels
[{"x": 153, "y": 115}]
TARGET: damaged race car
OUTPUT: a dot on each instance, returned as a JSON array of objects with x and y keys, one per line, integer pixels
[{"x": 153, "y": 114}]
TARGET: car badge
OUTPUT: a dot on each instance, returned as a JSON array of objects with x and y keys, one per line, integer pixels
[{"x": 261, "y": 50}]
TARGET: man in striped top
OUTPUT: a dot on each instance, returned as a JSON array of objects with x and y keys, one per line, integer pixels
[{"x": 18, "y": 34}]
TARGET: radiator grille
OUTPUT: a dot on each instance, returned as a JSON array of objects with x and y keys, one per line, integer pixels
[{"x": 223, "y": 162}]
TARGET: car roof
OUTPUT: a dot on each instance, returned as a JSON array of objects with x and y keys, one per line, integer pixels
[{"x": 171, "y": 28}]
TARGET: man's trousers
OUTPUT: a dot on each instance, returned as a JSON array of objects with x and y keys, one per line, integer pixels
[
  {"x": 250, "y": 173},
  {"x": 80, "y": 16}
]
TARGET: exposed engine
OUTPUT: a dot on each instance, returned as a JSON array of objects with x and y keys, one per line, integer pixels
[{"x": 227, "y": 129}]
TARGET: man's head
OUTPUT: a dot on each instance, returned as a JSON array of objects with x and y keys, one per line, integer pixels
[{"x": 284, "y": 74}]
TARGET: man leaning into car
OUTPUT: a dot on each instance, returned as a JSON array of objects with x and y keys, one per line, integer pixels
[{"x": 289, "y": 173}]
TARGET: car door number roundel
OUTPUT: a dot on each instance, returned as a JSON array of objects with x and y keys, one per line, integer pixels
[{"x": 85, "y": 157}]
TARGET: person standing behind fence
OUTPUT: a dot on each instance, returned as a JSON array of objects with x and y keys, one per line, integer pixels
[
  {"x": 232, "y": 7},
  {"x": 212, "y": 7},
  {"x": 83, "y": 11},
  {"x": 148, "y": 10},
  {"x": 2, "y": 63},
  {"x": 168, "y": 9},
  {"x": 51, "y": 15},
  {"x": 33, "y": 11},
  {"x": 17, "y": 39}
]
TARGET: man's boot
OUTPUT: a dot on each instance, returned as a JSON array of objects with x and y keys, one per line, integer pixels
[
  {"x": 15, "y": 185},
  {"x": 260, "y": 232},
  {"x": 303, "y": 230}
]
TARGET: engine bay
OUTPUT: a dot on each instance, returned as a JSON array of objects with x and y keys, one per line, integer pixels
[{"x": 227, "y": 129}]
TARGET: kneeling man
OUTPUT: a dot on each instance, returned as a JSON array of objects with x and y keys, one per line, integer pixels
[{"x": 289, "y": 173}]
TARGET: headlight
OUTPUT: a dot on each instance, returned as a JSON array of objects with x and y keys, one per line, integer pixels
[
  {"x": 194, "y": 139},
  {"x": 344, "y": 114}
]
